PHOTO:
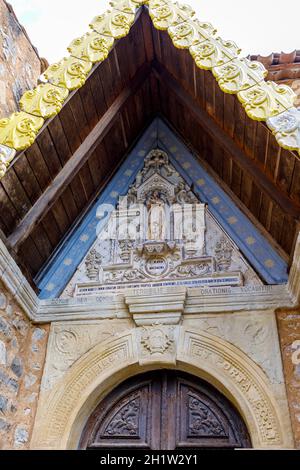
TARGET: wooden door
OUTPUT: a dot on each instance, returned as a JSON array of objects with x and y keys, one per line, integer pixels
[{"x": 165, "y": 410}]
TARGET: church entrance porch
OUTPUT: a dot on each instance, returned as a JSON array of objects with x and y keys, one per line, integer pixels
[
  {"x": 164, "y": 410},
  {"x": 71, "y": 393}
]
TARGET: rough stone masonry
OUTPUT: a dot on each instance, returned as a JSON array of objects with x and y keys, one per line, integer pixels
[
  {"x": 20, "y": 64},
  {"x": 22, "y": 355}
]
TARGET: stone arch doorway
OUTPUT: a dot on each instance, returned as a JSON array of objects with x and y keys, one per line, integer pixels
[
  {"x": 165, "y": 410},
  {"x": 63, "y": 410}
]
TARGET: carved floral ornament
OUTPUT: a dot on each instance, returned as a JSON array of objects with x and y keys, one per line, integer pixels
[{"x": 262, "y": 100}]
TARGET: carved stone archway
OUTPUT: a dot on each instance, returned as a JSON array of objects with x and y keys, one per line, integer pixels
[{"x": 63, "y": 411}]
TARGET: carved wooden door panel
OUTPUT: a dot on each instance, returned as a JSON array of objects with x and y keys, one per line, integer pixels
[{"x": 165, "y": 410}]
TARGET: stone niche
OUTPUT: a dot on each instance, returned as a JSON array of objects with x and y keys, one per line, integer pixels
[{"x": 22, "y": 354}]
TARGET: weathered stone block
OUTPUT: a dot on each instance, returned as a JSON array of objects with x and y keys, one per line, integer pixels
[
  {"x": 21, "y": 326},
  {"x": 2, "y": 354},
  {"x": 17, "y": 367},
  {"x": 3, "y": 404},
  {"x": 21, "y": 436},
  {"x": 8, "y": 382},
  {"x": 2, "y": 301},
  {"x": 30, "y": 380},
  {"x": 4, "y": 425},
  {"x": 5, "y": 328},
  {"x": 38, "y": 334}
]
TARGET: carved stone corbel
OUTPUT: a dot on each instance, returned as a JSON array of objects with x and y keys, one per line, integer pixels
[{"x": 150, "y": 306}]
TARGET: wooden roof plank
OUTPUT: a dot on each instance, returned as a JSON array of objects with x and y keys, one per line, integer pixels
[
  {"x": 27, "y": 179},
  {"x": 50, "y": 225},
  {"x": 16, "y": 192},
  {"x": 70, "y": 127},
  {"x": 76, "y": 162},
  {"x": 59, "y": 212},
  {"x": 286, "y": 170},
  {"x": 38, "y": 165},
  {"x": 218, "y": 134},
  {"x": 48, "y": 151},
  {"x": 98, "y": 94},
  {"x": 8, "y": 214}
]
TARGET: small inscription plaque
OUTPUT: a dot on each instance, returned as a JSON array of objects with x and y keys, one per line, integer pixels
[{"x": 156, "y": 266}]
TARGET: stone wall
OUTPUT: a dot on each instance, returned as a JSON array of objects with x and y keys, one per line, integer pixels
[
  {"x": 22, "y": 355},
  {"x": 289, "y": 332},
  {"x": 20, "y": 65}
]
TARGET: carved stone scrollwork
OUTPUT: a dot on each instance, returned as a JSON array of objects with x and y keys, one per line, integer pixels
[
  {"x": 266, "y": 100},
  {"x": 194, "y": 269},
  {"x": 115, "y": 23},
  {"x": 160, "y": 232},
  {"x": 91, "y": 47},
  {"x": 19, "y": 130},
  {"x": 165, "y": 15},
  {"x": 223, "y": 254},
  {"x": 123, "y": 276},
  {"x": 286, "y": 128},
  {"x": 157, "y": 339},
  {"x": 184, "y": 195},
  {"x": 125, "y": 250},
  {"x": 239, "y": 75},
  {"x": 132, "y": 195},
  {"x": 155, "y": 248},
  {"x": 156, "y": 184},
  {"x": 156, "y": 160},
  {"x": 214, "y": 53},
  {"x": 46, "y": 100},
  {"x": 70, "y": 73},
  {"x": 92, "y": 263}
]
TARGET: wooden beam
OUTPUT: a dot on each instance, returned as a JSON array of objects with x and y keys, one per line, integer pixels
[
  {"x": 76, "y": 162},
  {"x": 226, "y": 142}
]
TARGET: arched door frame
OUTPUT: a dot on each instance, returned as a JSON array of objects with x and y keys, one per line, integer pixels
[
  {"x": 63, "y": 412},
  {"x": 165, "y": 410}
]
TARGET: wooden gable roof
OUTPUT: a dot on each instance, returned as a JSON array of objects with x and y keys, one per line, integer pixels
[{"x": 52, "y": 183}]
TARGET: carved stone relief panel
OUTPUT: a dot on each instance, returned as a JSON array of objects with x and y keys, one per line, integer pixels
[
  {"x": 160, "y": 232},
  {"x": 263, "y": 403},
  {"x": 254, "y": 333},
  {"x": 68, "y": 341},
  {"x": 263, "y": 408},
  {"x": 157, "y": 343}
]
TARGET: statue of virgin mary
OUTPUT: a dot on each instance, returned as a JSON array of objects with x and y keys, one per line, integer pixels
[{"x": 156, "y": 217}]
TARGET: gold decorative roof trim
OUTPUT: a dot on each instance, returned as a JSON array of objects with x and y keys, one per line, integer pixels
[{"x": 262, "y": 101}]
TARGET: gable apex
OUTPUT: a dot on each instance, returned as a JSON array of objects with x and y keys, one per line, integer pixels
[{"x": 262, "y": 101}]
